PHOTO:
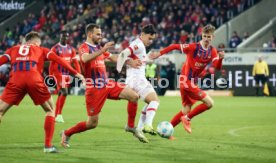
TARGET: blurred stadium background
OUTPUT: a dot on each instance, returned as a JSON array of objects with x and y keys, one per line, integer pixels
[{"x": 246, "y": 29}]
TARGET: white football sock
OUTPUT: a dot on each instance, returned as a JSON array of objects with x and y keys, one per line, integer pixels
[
  {"x": 150, "y": 113},
  {"x": 142, "y": 118}
]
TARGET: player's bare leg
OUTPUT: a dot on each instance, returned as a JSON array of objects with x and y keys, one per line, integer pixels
[
  {"x": 132, "y": 96},
  {"x": 129, "y": 94},
  {"x": 207, "y": 104},
  {"x": 91, "y": 123},
  {"x": 49, "y": 125},
  {"x": 153, "y": 103},
  {"x": 4, "y": 107}
]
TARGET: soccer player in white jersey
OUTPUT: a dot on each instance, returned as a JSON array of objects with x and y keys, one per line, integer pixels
[{"x": 136, "y": 80}]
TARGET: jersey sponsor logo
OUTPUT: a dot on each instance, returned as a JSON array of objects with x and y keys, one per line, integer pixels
[
  {"x": 82, "y": 50},
  {"x": 198, "y": 64},
  {"x": 99, "y": 62}
]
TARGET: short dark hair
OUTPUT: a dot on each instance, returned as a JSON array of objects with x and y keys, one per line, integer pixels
[
  {"x": 149, "y": 29},
  {"x": 90, "y": 27},
  {"x": 31, "y": 35}
]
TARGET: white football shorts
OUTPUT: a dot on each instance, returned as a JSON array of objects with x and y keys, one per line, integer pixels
[{"x": 140, "y": 85}]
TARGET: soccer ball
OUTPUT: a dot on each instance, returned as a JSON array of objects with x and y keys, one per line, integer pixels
[{"x": 165, "y": 129}]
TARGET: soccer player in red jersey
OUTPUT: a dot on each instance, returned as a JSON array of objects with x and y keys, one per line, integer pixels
[
  {"x": 61, "y": 74},
  {"x": 199, "y": 55},
  {"x": 98, "y": 86},
  {"x": 27, "y": 61}
]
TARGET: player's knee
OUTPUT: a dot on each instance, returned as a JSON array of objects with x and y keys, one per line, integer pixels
[
  {"x": 210, "y": 104},
  {"x": 134, "y": 97},
  {"x": 63, "y": 92},
  {"x": 91, "y": 125}
]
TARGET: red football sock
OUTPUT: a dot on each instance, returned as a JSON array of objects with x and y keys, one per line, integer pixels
[
  {"x": 80, "y": 127},
  {"x": 57, "y": 106},
  {"x": 199, "y": 109},
  {"x": 176, "y": 119},
  {"x": 49, "y": 128},
  {"x": 131, "y": 110},
  {"x": 61, "y": 103}
]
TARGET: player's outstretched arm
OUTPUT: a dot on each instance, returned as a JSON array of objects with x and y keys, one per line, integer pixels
[
  {"x": 165, "y": 51},
  {"x": 53, "y": 57},
  {"x": 113, "y": 58},
  {"x": 3, "y": 59},
  {"x": 88, "y": 57},
  {"x": 76, "y": 65}
]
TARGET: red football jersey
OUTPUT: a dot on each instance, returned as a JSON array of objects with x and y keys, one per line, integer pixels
[
  {"x": 30, "y": 57},
  {"x": 197, "y": 58},
  {"x": 94, "y": 69},
  {"x": 27, "y": 57},
  {"x": 68, "y": 54}
]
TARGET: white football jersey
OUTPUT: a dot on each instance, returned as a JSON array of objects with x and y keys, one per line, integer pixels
[{"x": 138, "y": 51}]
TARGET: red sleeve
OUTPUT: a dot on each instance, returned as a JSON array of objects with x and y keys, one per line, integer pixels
[
  {"x": 54, "y": 49},
  {"x": 216, "y": 61},
  {"x": 218, "y": 64},
  {"x": 53, "y": 57},
  {"x": 184, "y": 48},
  {"x": 6, "y": 57},
  {"x": 45, "y": 52},
  {"x": 106, "y": 55},
  {"x": 132, "y": 55},
  {"x": 170, "y": 48},
  {"x": 82, "y": 50},
  {"x": 51, "y": 68},
  {"x": 75, "y": 62},
  {"x": 3, "y": 59}
]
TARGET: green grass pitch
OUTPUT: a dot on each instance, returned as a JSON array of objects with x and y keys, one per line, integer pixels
[{"x": 236, "y": 129}]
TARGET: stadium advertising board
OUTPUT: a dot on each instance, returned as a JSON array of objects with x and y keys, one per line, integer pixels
[
  {"x": 242, "y": 82},
  {"x": 9, "y": 7},
  {"x": 239, "y": 72}
]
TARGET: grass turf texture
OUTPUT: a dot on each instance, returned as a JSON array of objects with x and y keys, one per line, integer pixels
[{"x": 237, "y": 129}]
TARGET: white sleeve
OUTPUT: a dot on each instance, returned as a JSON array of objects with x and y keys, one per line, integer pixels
[{"x": 123, "y": 56}]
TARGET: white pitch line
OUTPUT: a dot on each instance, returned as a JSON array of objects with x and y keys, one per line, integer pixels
[{"x": 233, "y": 132}]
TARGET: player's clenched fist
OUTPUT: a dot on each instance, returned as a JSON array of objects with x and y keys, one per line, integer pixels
[{"x": 107, "y": 46}]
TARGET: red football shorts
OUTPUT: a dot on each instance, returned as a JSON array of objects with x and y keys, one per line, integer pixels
[
  {"x": 96, "y": 97},
  {"x": 62, "y": 81},
  {"x": 22, "y": 83},
  {"x": 190, "y": 93}
]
